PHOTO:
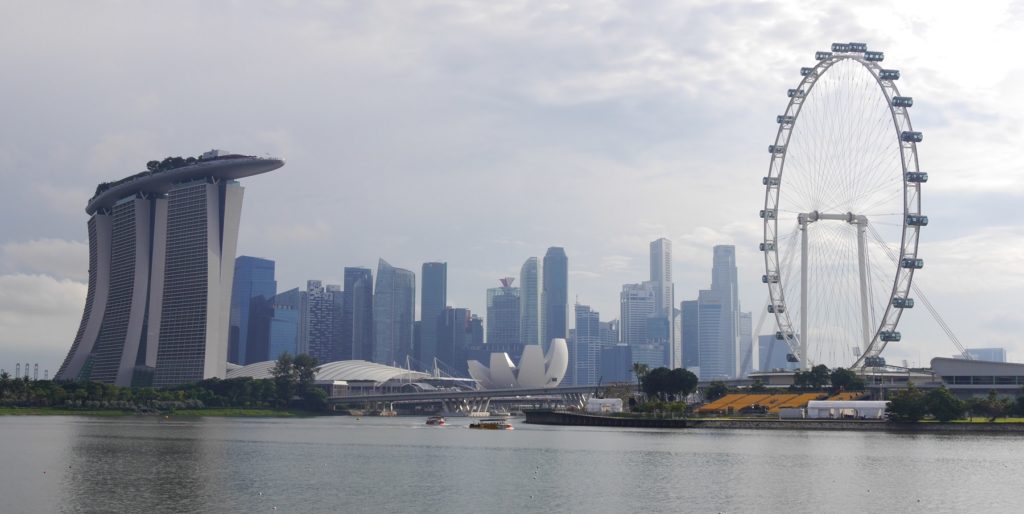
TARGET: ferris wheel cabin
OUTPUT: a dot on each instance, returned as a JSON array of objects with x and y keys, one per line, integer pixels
[
  {"x": 911, "y": 263},
  {"x": 902, "y": 101},
  {"x": 889, "y": 74},
  {"x": 917, "y": 220},
  {"x": 903, "y": 303},
  {"x": 917, "y": 176},
  {"x": 910, "y": 136}
]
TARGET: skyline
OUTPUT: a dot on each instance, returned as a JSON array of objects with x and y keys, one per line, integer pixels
[{"x": 613, "y": 139}]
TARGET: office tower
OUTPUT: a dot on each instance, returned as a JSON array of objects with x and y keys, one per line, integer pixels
[
  {"x": 283, "y": 325},
  {"x": 503, "y": 314},
  {"x": 161, "y": 266},
  {"x": 725, "y": 286},
  {"x": 585, "y": 352},
  {"x": 394, "y": 308},
  {"x": 253, "y": 284},
  {"x": 320, "y": 321},
  {"x": 747, "y": 357},
  {"x": 617, "y": 364},
  {"x": 664, "y": 307},
  {"x": 689, "y": 310},
  {"x": 716, "y": 357},
  {"x": 555, "y": 296},
  {"x": 357, "y": 315},
  {"x": 610, "y": 332},
  {"x": 476, "y": 329},
  {"x": 434, "y": 298},
  {"x": 636, "y": 303},
  {"x": 454, "y": 338},
  {"x": 772, "y": 354},
  {"x": 529, "y": 301}
]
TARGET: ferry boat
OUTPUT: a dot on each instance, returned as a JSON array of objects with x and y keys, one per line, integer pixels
[
  {"x": 437, "y": 421},
  {"x": 492, "y": 424}
]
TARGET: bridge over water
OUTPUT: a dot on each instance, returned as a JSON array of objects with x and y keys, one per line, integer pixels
[{"x": 476, "y": 402}]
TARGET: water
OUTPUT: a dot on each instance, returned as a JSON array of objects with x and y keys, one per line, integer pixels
[{"x": 340, "y": 464}]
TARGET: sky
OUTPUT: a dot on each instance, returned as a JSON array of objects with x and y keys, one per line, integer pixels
[{"x": 481, "y": 133}]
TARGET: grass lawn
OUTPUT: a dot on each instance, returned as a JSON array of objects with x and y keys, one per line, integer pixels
[{"x": 985, "y": 420}]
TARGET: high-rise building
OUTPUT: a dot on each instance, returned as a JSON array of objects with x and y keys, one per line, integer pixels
[
  {"x": 636, "y": 303},
  {"x": 161, "y": 266},
  {"x": 609, "y": 332},
  {"x": 716, "y": 355},
  {"x": 454, "y": 338},
  {"x": 617, "y": 364},
  {"x": 283, "y": 325},
  {"x": 748, "y": 355},
  {"x": 664, "y": 304},
  {"x": 690, "y": 333},
  {"x": 503, "y": 314},
  {"x": 254, "y": 280},
  {"x": 555, "y": 296},
  {"x": 433, "y": 299},
  {"x": 585, "y": 352},
  {"x": 394, "y": 308},
  {"x": 725, "y": 285},
  {"x": 357, "y": 315},
  {"x": 529, "y": 301},
  {"x": 322, "y": 309}
]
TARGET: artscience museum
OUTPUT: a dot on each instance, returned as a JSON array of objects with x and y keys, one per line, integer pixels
[{"x": 536, "y": 370}]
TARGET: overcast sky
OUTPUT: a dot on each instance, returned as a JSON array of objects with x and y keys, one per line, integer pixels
[{"x": 480, "y": 133}]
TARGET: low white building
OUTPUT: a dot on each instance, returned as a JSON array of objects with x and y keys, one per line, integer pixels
[
  {"x": 604, "y": 405},
  {"x": 849, "y": 409}
]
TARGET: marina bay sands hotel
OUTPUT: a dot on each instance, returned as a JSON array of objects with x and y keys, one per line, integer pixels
[{"x": 161, "y": 263}]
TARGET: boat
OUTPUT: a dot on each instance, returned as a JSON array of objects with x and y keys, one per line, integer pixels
[
  {"x": 437, "y": 421},
  {"x": 492, "y": 424}
]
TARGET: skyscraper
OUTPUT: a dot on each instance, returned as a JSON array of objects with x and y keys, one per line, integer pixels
[
  {"x": 252, "y": 289},
  {"x": 636, "y": 303},
  {"x": 748, "y": 352},
  {"x": 555, "y": 296},
  {"x": 161, "y": 266},
  {"x": 689, "y": 312},
  {"x": 357, "y": 315},
  {"x": 454, "y": 337},
  {"x": 716, "y": 356},
  {"x": 585, "y": 352},
  {"x": 434, "y": 298},
  {"x": 725, "y": 286},
  {"x": 529, "y": 301},
  {"x": 321, "y": 321},
  {"x": 503, "y": 314},
  {"x": 664, "y": 305},
  {"x": 394, "y": 308},
  {"x": 283, "y": 325}
]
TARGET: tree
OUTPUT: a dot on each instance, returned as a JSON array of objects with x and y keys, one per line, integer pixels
[
  {"x": 845, "y": 380},
  {"x": 655, "y": 382},
  {"x": 993, "y": 406},
  {"x": 639, "y": 370},
  {"x": 682, "y": 382},
  {"x": 153, "y": 165},
  {"x": 284, "y": 378},
  {"x": 715, "y": 390},
  {"x": 943, "y": 405},
  {"x": 305, "y": 368},
  {"x": 907, "y": 406}
]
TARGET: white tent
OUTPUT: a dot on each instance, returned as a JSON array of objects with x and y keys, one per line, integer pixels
[{"x": 825, "y": 409}]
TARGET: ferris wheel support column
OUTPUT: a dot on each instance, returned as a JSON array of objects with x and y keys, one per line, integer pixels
[
  {"x": 862, "y": 261},
  {"x": 804, "y": 225}
]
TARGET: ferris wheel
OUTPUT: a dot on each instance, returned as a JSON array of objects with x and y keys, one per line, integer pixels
[{"x": 842, "y": 211}]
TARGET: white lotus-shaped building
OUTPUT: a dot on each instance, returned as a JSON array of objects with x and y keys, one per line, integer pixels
[{"x": 535, "y": 371}]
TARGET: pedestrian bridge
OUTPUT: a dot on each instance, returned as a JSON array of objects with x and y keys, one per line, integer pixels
[{"x": 470, "y": 402}]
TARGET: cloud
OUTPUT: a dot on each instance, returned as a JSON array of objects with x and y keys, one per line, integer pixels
[
  {"x": 39, "y": 317},
  {"x": 53, "y": 257}
]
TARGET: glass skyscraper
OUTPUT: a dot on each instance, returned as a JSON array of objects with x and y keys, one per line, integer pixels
[
  {"x": 252, "y": 289},
  {"x": 529, "y": 301},
  {"x": 555, "y": 296},
  {"x": 503, "y": 314},
  {"x": 433, "y": 300},
  {"x": 394, "y": 308},
  {"x": 357, "y": 315},
  {"x": 161, "y": 267}
]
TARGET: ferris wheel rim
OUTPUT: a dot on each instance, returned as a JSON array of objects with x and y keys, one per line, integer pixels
[{"x": 911, "y": 197}]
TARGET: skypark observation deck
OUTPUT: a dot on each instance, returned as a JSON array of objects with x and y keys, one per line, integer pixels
[{"x": 218, "y": 167}]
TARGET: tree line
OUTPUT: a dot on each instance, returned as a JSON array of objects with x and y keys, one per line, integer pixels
[
  {"x": 291, "y": 386},
  {"x": 912, "y": 405}
]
